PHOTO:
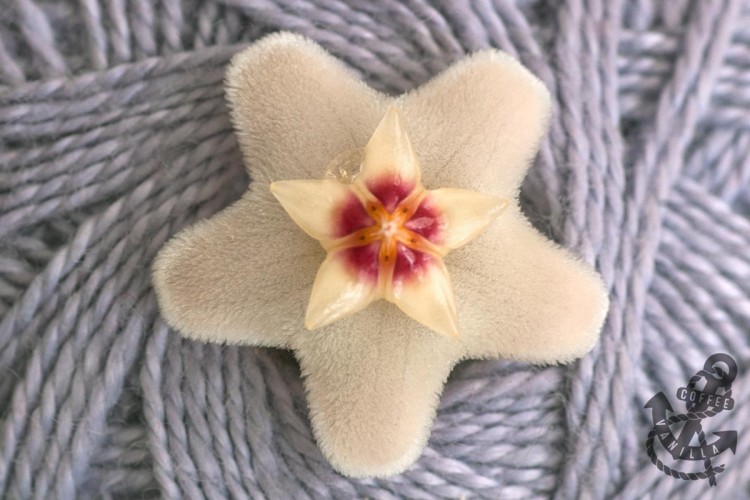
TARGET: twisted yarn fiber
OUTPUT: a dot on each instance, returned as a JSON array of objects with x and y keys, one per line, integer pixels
[{"x": 114, "y": 135}]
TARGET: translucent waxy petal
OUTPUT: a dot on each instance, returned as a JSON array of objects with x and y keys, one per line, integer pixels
[
  {"x": 427, "y": 296},
  {"x": 340, "y": 289},
  {"x": 389, "y": 158},
  {"x": 463, "y": 214},
  {"x": 324, "y": 209}
]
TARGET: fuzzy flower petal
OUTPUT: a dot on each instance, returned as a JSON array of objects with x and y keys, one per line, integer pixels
[
  {"x": 373, "y": 382},
  {"x": 295, "y": 107},
  {"x": 523, "y": 297},
  {"x": 373, "y": 378},
  {"x": 240, "y": 277},
  {"x": 478, "y": 125}
]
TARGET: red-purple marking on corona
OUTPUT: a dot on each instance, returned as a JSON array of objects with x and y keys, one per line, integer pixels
[
  {"x": 385, "y": 234},
  {"x": 389, "y": 233}
]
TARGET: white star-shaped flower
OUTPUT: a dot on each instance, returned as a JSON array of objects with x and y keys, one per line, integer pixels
[{"x": 373, "y": 374}]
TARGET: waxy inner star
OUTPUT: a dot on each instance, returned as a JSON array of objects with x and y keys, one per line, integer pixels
[{"x": 385, "y": 234}]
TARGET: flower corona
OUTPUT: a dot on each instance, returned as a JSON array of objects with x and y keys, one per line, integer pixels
[{"x": 385, "y": 233}]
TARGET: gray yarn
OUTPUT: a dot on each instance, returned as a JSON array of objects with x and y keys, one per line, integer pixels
[{"x": 114, "y": 135}]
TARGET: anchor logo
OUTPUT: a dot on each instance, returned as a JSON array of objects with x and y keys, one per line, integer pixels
[{"x": 708, "y": 393}]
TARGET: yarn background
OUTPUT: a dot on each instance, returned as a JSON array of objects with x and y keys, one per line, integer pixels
[{"x": 114, "y": 135}]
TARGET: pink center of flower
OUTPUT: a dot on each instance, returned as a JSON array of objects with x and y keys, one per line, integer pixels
[{"x": 392, "y": 235}]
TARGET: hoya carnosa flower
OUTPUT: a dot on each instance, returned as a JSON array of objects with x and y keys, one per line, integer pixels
[
  {"x": 385, "y": 234},
  {"x": 373, "y": 374}
]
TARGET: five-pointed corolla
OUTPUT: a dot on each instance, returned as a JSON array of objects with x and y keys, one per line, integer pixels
[
  {"x": 373, "y": 379},
  {"x": 385, "y": 234}
]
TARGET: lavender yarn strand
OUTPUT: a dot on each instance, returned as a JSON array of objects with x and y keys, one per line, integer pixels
[{"x": 114, "y": 135}]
